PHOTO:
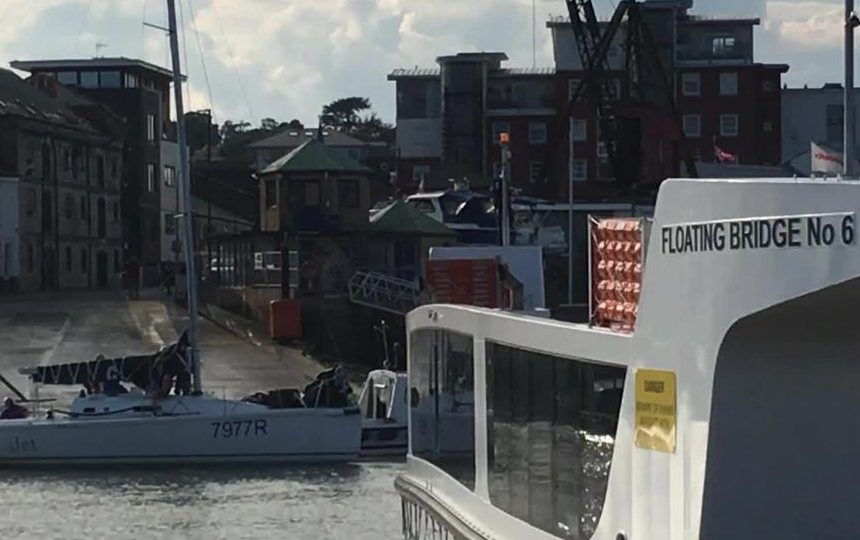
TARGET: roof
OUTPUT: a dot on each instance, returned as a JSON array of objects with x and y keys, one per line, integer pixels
[
  {"x": 403, "y": 218},
  {"x": 520, "y": 71},
  {"x": 71, "y": 63},
  {"x": 415, "y": 73},
  {"x": 293, "y": 138},
  {"x": 21, "y": 99},
  {"x": 314, "y": 156}
]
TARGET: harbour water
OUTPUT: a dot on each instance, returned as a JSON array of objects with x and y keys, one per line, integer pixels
[{"x": 350, "y": 502}]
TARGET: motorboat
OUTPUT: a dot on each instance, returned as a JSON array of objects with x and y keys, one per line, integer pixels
[
  {"x": 165, "y": 417},
  {"x": 127, "y": 416},
  {"x": 712, "y": 394}
]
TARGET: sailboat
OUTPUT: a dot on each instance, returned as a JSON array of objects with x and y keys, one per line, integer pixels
[{"x": 146, "y": 423}]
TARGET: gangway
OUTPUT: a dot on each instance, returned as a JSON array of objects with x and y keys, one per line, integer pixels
[{"x": 384, "y": 292}]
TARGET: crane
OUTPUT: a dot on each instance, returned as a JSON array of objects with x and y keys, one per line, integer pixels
[{"x": 645, "y": 81}]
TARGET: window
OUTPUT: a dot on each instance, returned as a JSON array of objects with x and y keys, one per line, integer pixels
[
  {"x": 558, "y": 485},
  {"x": 767, "y": 126},
  {"x": 31, "y": 202},
  {"x": 68, "y": 78},
  {"x": 723, "y": 46},
  {"x": 579, "y": 169},
  {"x": 353, "y": 154},
  {"x": 150, "y": 127},
  {"x": 169, "y": 176},
  {"x": 131, "y": 80},
  {"x": 442, "y": 401},
  {"x": 100, "y": 170},
  {"x": 117, "y": 268},
  {"x": 499, "y": 128},
  {"x": 420, "y": 173},
  {"x": 728, "y": 84},
  {"x": 30, "y": 258},
  {"x": 271, "y": 186},
  {"x": 537, "y": 132},
  {"x": 691, "y": 84},
  {"x": 151, "y": 184},
  {"x": 579, "y": 129},
  {"x": 69, "y": 206},
  {"x": 312, "y": 194},
  {"x": 114, "y": 167},
  {"x": 572, "y": 87},
  {"x": 348, "y": 194},
  {"x": 116, "y": 212},
  {"x": 169, "y": 224},
  {"x": 83, "y": 207},
  {"x": 536, "y": 172},
  {"x": 90, "y": 79},
  {"x": 692, "y": 125},
  {"x": 109, "y": 79},
  {"x": 69, "y": 259},
  {"x": 614, "y": 89},
  {"x": 728, "y": 125},
  {"x": 85, "y": 262},
  {"x": 67, "y": 159}
]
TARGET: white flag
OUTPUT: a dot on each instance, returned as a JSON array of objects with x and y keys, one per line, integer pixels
[{"x": 825, "y": 160}]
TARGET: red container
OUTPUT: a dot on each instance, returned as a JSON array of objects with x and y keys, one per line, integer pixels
[{"x": 285, "y": 319}]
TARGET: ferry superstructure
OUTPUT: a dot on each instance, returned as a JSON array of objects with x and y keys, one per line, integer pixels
[{"x": 728, "y": 412}]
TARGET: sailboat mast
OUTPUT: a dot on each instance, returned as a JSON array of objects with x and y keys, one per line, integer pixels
[{"x": 185, "y": 205}]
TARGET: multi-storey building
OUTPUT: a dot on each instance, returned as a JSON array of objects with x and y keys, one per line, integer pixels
[
  {"x": 139, "y": 92},
  {"x": 449, "y": 118},
  {"x": 66, "y": 153}
]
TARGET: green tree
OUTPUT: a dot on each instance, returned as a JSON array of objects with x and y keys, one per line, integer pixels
[
  {"x": 343, "y": 114},
  {"x": 268, "y": 124}
]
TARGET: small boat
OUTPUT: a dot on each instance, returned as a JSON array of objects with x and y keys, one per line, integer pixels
[
  {"x": 145, "y": 423},
  {"x": 384, "y": 408}
]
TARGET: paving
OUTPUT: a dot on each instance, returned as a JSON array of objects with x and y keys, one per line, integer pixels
[{"x": 59, "y": 327}]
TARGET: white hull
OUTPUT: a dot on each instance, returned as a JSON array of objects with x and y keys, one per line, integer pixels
[{"x": 249, "y": 434}]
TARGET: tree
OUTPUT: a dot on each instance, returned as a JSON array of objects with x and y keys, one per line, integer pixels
[
  {"x": 296, "y": 124},
  {"x": 268, "y": 124},
  {"x": 342, "y": 114},
  {"x": 372, "y": 127}
]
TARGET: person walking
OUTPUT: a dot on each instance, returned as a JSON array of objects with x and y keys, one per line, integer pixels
[{"x": 131, "y": 275}]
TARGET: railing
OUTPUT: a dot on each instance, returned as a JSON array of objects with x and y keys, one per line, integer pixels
[{"x": 383, "y": 292}]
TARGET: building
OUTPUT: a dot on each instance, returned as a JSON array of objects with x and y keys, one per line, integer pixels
[
  {"x": 267, "y": 150},
  {"x": 138, "y": 92},
  {"x": 66, "y": 152},
  {"x": 10, "y": 244},
  {"x": 812, "y": 115},
  {"x": 449, "y": 117}
]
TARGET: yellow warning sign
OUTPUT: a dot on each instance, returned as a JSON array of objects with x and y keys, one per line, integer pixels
[{"x": 655, "y": 410}]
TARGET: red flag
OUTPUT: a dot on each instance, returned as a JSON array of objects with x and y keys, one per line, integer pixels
[{"x": 724, "y": 157}]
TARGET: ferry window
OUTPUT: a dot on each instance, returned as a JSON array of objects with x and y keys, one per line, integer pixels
[
  {"x": 442, "y": 409},
  {"x": 68, "y": 78},
  {"x": 90, "y": 79},
  {"x": 110, "y": 79},
  {"x": 550, "y": 431}
]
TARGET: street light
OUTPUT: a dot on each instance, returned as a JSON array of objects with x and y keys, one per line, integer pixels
[{"x": 852, "y": 21}]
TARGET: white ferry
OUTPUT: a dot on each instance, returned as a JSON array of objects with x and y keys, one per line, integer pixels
[{"x": 727, "y": 409}]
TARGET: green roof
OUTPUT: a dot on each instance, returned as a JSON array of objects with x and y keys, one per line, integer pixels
[
  {"x": 402, "y": 218},
  {"x": 314, "y": 156}
]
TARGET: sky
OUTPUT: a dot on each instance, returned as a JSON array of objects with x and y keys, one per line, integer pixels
[{"x": 285, "y": 59}]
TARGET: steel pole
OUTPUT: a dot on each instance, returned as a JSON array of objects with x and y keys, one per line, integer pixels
[
  {"x": 570, "y": 216},
  {"x": 848, "y": 146},
  {"x": 187, "y": 212},
  {"x": 505, "y": 198}
]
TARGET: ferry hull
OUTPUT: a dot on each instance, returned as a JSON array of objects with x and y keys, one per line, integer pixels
[{"x": 287, "y": 435}]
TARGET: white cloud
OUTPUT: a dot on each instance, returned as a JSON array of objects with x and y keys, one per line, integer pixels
[{"x": 814, "y": 24}]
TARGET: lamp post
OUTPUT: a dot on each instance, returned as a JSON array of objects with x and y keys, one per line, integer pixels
[{"x": 852, "y": 21}]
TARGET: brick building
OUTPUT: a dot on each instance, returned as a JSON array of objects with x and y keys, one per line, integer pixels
[
  {"x": 449, "y": 117},
  {"x": 66, "y": 153},
  {"x": 138, "y": 92}
]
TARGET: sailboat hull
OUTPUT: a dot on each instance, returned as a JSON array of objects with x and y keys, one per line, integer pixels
[{"x": 280, "y": 435}]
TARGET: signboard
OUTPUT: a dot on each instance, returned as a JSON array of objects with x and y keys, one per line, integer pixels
[{"x": 655, "y": 410}]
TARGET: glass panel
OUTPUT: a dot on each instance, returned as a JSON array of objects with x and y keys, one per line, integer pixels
[
  {"x": 68, "y": 78},
  {"x": 90, "y": 79},
  {"x": 550, "y": 432},
  {"x": 442, "y": 412},
  {"x": 110, "y": 79}
]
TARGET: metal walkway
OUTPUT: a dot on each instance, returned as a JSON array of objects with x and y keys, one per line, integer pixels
[{"x": 380, "y": 291}]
